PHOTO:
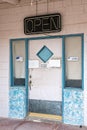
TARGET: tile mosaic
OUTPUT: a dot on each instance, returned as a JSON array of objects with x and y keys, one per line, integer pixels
[
  {"x": 17, "y": 103},
  {"x": 73, "y": 107}
]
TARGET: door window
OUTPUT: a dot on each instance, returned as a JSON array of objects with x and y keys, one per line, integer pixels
[
  {"x": 18, "y": 63},
  {"x": 73, "y": 61}
]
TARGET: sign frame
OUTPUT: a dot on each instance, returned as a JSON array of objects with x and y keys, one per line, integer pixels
[{"x": 42, "y": 24}]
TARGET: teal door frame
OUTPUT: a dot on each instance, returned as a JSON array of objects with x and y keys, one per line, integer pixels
[{"x": 63, "y": 63}]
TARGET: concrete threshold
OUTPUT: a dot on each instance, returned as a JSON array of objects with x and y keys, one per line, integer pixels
[{"x": 39, "y": 117}]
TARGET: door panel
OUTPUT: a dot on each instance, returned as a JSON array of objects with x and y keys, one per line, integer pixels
[{"x": 45, "y": 80}]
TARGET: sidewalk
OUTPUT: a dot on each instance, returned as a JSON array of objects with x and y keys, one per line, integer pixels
[{"x": 11, "y": 124}]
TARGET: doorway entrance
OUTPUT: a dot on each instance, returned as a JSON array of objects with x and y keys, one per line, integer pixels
[{"x": 45, "y": 76}]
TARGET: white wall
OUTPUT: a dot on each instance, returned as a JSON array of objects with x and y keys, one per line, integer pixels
[{"x": 74, "y": 20}]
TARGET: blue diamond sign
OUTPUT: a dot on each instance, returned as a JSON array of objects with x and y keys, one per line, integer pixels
[{"x": 45, "y": 54}]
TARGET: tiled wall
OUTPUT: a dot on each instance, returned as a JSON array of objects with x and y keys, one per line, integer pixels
[
  {"x": 17, "y": 102},
  {"x": 73, "y": 107}
]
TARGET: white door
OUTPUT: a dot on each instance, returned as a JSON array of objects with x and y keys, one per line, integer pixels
[{"x": 45, "y": 76}]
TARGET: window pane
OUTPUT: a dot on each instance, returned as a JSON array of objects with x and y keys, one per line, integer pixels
[
  {"x": 73, "y": 60},
  {"x": 19, "y": 62}
]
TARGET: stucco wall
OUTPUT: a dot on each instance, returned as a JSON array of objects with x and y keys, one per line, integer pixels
[{"x": 74, "y": 20}]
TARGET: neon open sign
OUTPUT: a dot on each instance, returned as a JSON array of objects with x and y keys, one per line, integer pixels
[{"x": 42, "y": 24}]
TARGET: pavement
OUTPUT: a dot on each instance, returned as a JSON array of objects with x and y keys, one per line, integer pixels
[{"x": 14, "y": 124}]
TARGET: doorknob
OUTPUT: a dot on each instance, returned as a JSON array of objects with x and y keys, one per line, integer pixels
[
  {"x": 30, "y": 84},
  {"x": 30, "y": 76}
]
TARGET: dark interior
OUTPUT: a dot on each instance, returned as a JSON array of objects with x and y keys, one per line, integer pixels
[
  {"x": 19, "y": 81},
  {"x": 73, "y": 83}
]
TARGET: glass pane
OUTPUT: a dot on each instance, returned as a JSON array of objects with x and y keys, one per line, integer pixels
[
  {"x": 19, "y": 62},
  {"x": 73, "y": 61}
]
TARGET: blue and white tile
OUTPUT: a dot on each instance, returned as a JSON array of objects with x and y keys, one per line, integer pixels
[
  {"x": 17, "y": 103},
  {"x": 73, "y": 107}
]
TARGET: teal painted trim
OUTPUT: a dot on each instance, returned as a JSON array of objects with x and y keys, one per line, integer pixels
[
  {"x": 47, "y": 37},
  {"x": 73, "y": 35},
  {"x": 12, "y": 85},
  {"x": 74, "y": 89},
  {"x": 63, "y": 75},
  {"x": 11, "y": 64},
  {"x": 64, "y": 66},
  {"x": 26, "y": 62},
  {"x": 18, "y": 39},
  {"x": 26, "y": 72},
  {"x": 82, "y": 44},
  {"x": 28, "y": 76},
  {"x": 38, "y": 38},
  {"x": 63, "y": 61},
  {"x": 83, "y": 61}
]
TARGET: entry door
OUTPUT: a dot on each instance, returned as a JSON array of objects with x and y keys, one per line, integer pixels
[{"x": 45, "y": 76}]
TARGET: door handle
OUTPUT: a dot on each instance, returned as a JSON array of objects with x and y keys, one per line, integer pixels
[{"x": 30, "y": 84}]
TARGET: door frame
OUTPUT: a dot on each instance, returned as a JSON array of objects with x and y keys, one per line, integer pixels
[
  {"x": 59, "y": 101},
  {"x": 63, "y": 63}
]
